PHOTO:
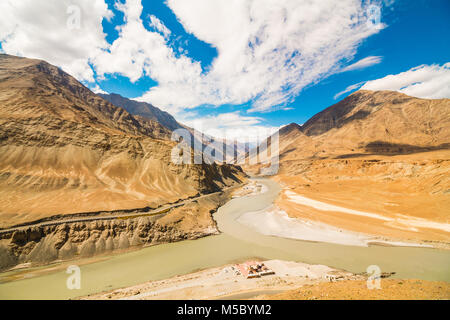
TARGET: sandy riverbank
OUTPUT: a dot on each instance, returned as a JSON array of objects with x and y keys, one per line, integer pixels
[
  {"x": 390, "y": 289},
  {"x": 403, "y": 197},
  {"x": 361, "y": 226},
  {"x": 292, "y": 281},
  {"x": 235, "y": 244},
  {"x": 276, "y": 222},
  {"x": 297, "y": 222},
  {"x": 226, "y": 282}
]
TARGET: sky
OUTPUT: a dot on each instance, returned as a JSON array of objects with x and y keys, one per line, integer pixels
[{"x": 237, "y": 67}]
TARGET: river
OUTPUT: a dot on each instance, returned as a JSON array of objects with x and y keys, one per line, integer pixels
[{"x": 236, "y": 243}]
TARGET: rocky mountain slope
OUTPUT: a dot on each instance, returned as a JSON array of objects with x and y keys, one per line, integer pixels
[
  {"x": 370, "y": 123},
  {"x": 381, "y": 152},
  {"x": 64, "y": 149},
  {"x": 43, "y": 244},
  {"x": 143, "y": 109}
]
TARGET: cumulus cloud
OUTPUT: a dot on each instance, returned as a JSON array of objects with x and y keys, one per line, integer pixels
[
  {"x": 139, "y": 52},
  {"x": 363, "y": 63},
  {"x": 268, "y": 51},
  {"x": 62, "y": 32},
  {"x": 425, "y": 81}
]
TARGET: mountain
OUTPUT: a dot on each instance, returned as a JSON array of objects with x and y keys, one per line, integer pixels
[
  {"x": 370, "y": 123},
  {"x": 64, "y": 149},
  {"x": 143, "y": 109},
  {"x": 374, "y": 151}
]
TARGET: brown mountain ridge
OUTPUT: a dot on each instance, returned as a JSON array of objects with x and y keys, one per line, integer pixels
[
  {"x": 64, "y": 149},
  {"x": 374, "y": 151}
]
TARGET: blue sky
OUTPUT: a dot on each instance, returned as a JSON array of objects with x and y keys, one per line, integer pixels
[
  {"x": 415, "y": 35},
  {"x": 188, "y": 57}
]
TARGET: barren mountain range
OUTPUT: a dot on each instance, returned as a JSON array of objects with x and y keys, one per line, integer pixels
[
  {"x": 142, "y": 109},
  {"x": 382, "y": 152},
  {"x": 67, "y": 152},
  {"x": 64, "y": 149}
]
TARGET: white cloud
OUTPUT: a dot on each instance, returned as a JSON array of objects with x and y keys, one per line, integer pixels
[
  {"x": 96, "y": 89},
  {"x": 230, "y": 126},
  {"x": 363, "y": 63},
  {"x": 348, "y": 89},
  {"x": 268, "y": 51},
  {"x": 425, "y": 81},
  {"x": 42, "y": 29},
  {"x": 138, "y": 52},
  {"x": 159, "y": 26}
]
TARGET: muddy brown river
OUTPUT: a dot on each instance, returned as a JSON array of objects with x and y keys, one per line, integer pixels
[{"x": 236, "y": 243}]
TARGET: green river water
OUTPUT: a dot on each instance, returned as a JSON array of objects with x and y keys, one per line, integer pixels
[{"x": 236, "y": 243}]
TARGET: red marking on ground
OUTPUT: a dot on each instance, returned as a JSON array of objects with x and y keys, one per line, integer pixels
[{"x": 243, "y": 267}]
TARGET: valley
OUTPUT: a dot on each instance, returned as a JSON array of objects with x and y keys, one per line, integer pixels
[
  {"x": 67, "y": 154},
  {"x": 89, "y": 180},
  {"x": 236, "y": 243},
  {"x": 383, "y": 153}
]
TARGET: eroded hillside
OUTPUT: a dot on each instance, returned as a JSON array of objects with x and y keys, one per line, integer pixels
[
  {"x": 376, "y": 152},
  {"x": 64, "y": 149}
]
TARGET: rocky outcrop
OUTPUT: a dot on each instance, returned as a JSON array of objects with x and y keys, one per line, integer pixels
[
  {"x": 44, "y": 244},
  {"x": 369, "y": 123},
  {"x": 374, "y": 151},
  {"x": 143, "y": 109},
  {"x": 65, "y": 150}
]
